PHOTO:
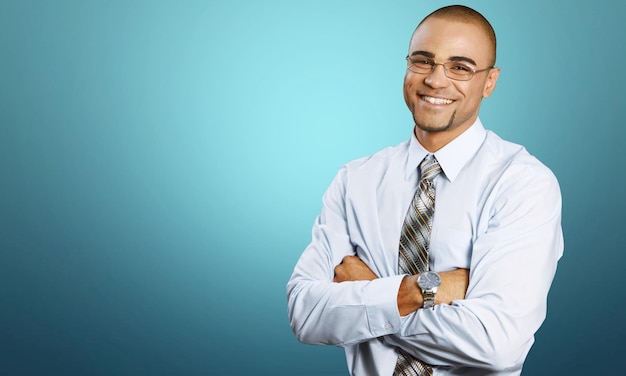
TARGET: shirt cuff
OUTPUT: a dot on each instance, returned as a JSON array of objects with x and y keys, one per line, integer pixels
[{"x": 382, "y": 305}]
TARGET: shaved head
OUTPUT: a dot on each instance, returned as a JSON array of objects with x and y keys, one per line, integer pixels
[{"x": 461, "y": 13}]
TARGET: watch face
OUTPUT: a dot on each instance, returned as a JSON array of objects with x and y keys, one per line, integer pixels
[{"x": 429, "y": 280}]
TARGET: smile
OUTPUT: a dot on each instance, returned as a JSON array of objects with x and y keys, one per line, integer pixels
[{"x": 434, "y": 100}]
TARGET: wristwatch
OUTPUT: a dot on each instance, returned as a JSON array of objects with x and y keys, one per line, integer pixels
[{"x": 429, "y": 282}]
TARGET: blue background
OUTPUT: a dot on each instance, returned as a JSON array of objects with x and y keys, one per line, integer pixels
[{"x": 162, "y": 162}]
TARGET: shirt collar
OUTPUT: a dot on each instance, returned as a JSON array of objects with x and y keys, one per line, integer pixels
[{"x": 451, "y": 157}]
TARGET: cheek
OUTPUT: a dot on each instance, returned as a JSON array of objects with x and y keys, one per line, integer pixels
[
  {"x": 409, "y": 90},
  {"x": 405, "y": 91},
  {"x": 472, "y": 94}
]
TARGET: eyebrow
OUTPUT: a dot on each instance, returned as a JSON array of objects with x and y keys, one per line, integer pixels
[{"x": 431, "y": 55}]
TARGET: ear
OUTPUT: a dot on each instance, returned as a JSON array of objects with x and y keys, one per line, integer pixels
[{"x": 490, "y": 84}]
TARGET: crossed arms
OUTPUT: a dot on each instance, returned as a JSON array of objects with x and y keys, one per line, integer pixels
[
  {"x": 453, "y": 284},
  {"x": 344, "y": 290}
]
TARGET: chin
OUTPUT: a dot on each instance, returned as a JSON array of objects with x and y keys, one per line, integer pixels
[
  {"x": 440, "y": 126},
  {"x": 432, "y": 128}
]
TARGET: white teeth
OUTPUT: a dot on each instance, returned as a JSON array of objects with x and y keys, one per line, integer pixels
[{"x": 436, "y": 100}]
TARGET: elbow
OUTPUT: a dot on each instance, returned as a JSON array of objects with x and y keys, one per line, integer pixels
[
  {"x": 298, "y": 328},
  {"x": 504, "y": 360},
  {"x": 301, "y": 322},
  {"x": 496, "y": 348},
  {"x": 309, "y": 328},
  {"x": 499, "y": 340},
  {"x": 504, "y": 354},
  {"x": 302, "y": 335},
  {"x": 305, "y": 332}
]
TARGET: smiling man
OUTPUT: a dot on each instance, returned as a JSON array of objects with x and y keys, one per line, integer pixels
[{"x": 435, "y": 256}]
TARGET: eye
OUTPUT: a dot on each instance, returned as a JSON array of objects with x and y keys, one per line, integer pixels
[
  {"x": 421, "y": 62},
  {"x": 459, "y": 68}
]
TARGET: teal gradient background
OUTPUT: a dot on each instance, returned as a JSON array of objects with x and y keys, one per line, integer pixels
[{"x": 162, "y": 162}]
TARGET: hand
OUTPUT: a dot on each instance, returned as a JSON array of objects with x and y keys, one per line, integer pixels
[
  {"x": 453, "y": 287},
  {"x": 353, "y": 268}
]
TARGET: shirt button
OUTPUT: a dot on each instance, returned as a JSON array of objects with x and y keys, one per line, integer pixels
[{"x": 388, "y": 326}]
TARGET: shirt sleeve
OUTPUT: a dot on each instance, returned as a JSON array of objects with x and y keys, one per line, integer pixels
[
  {"x": 512, "y": 267},
  {"x": 323, "y": 312}
]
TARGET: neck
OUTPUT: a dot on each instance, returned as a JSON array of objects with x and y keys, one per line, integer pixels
[{"x": 433, "y": 141}]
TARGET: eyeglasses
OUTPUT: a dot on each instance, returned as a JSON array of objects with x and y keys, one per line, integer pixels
[{"x": 456, "y": 70}]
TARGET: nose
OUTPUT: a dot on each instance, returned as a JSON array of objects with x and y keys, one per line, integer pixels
[{"x": 437, "y": 77}]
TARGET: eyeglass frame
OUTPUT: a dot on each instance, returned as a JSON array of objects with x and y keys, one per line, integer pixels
[{"x": 445, "y": 69}]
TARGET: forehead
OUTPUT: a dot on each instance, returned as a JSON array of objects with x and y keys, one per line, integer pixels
[{"x": 446, "y": 38}]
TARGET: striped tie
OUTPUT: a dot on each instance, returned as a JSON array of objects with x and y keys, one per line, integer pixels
[{"x": 414, "y": 241}]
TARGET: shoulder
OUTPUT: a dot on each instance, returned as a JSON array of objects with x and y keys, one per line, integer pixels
[
  {"x": 512, "y": 155},
  {"x": 382, "y": 159},
  {"x": 518, "y": 171},
  {"x": 366, "y": 173}
]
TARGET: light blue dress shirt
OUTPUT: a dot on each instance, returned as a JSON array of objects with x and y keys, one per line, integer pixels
[{"x": 498, "y": 214}]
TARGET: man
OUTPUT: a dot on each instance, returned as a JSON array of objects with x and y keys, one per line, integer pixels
[{"x": 457, "y": 284}]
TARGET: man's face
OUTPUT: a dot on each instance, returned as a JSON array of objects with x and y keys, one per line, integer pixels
[{"x": 438, "y": 103}]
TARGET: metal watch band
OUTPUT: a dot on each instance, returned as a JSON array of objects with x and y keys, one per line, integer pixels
[{"x": 429, "y": 298}]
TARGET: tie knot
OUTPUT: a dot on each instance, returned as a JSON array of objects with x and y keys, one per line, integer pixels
[{"x": 429, "y": 168}]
